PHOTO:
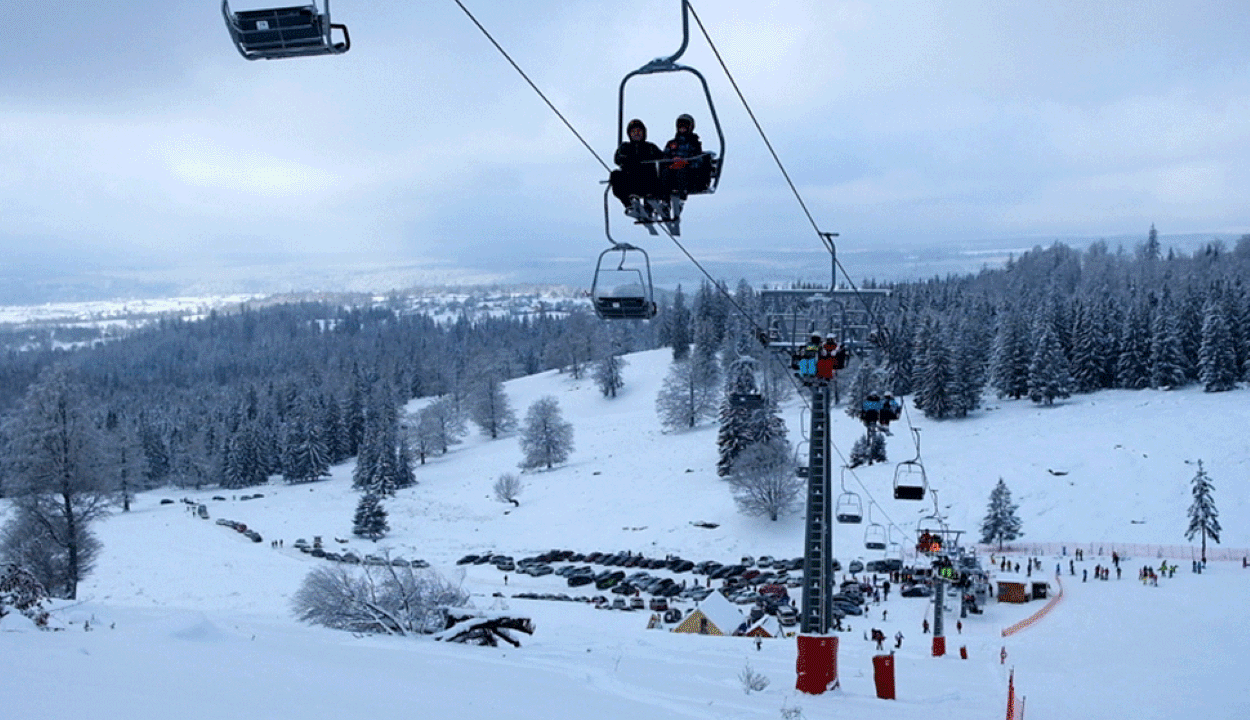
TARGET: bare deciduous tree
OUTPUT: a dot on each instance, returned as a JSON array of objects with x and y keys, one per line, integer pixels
[
  {"x": 507, "y": 488},
  {"x": 382, "y": 599}
]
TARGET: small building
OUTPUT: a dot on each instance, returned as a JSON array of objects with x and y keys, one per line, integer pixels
[
  {"x": 1041, "y": 590},
  {"x": 765, "y": 627},
  {"x": 1013, "y": 591},
  {"x": 714, "y": 615}
]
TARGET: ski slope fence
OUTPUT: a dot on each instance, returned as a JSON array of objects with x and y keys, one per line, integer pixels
[
  {"x": 1126, "y": 551},
  {"x": 1036, "y": 617}
]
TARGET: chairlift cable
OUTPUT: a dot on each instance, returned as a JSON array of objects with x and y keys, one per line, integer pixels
[
  {"x": 687, "y": 253},
  {"x": 517, "y": 67},
  {"x": 777, "y": 159}
]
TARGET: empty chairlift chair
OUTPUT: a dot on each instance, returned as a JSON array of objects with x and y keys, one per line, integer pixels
[
  {"x": 623, "y": 293},
  {"x": 910, "y": 482},
  {"x": 875, "y": 537},
  {"x": 849, "y": 509},
  {"x": 284, "y": 32}
]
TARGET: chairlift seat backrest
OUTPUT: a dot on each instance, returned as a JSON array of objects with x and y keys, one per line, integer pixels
[
  {"x": 624, "y": 308},
  {"x": 909, "y": 492},
  {"x": 282, "y": 32},
  {"x": 849, "y": 509}
]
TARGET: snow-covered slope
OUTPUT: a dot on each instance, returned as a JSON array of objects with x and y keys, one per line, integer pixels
[{"x": 191, "y": 619}]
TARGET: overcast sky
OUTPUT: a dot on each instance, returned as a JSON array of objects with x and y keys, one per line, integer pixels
[{"x": 134, "y": 130}]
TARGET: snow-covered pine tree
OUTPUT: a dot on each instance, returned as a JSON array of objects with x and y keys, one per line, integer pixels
[
  {"x": 1189, "y": 322},
  {"x": 1009, "y": 358},
  {"x": 1048, "y": 370},
  {"x": 1203, "y": 517},
  {"x": 546, "y": 438},
  {"x": 1001, "y": 524},
  {"x": 969, "y": 372},
  {"x": 675, "y": 326},
  {"x": 869, "y": 448},
  {"x": 370, "y": 518},
  {"x": 1216, "y": 358},
  {"x": 1087, "y": 355},
  {"x": 242, "y": 466},
  {"x": 746, "y": 417},
  {"x": 934, "y": 372},
  {"x": 305, "y": 457},
  {"x": 1132, "y": 356},
  {"x": 1167, "y": 362}
]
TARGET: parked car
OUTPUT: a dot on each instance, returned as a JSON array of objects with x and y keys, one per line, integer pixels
[
  {"x": 659, "y": 604},
  {"x": 916, "y": 590},
  {"x": 848, "y": 608},
  {"x": 787, "y": 615}
]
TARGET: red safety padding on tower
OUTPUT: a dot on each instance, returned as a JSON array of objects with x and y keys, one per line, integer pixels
[
  {"x": 817, "y": 664},
  {"x": 939, "y": 646},
  {"x": 883, "y": 675}
]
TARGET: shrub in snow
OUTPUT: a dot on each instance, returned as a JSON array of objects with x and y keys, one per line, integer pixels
[
  {"x": 381, "y": 599},
  {"x": 507, "y": 488},
  {"x": 20, "y": 591},
  {"x": 751, "y": 680}
]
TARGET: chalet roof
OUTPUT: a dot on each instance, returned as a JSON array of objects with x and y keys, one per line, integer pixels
[{"x": 723, "y": 616}]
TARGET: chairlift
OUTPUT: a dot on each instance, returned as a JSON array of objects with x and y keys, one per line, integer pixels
[
  {"x": 667, "y": 210},
  {"x": 284, "y": 32},
  {"x": 800, "y": 464},
  {"x": 910, "y": 482},
  {"x": 623, "y": 293},
  {"x": 849, "y": 509},
  {"x": 874, "y": 534},
  {"x": 895, "y": 547}
]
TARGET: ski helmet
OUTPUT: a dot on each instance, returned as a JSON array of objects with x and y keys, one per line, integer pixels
[{"x": 686, "y": 120}]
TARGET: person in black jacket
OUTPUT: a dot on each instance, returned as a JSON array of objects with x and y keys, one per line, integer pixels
[
  {"x": 688, "y": 169},
  {"x": 637, "y": 160}
]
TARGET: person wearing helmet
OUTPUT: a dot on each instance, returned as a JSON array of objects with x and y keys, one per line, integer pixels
[
  {"x": 637, "y": 175},
  {"x": 870, "y": 411},
  {"x": 687, "y": 170},
  {"x": 890, "y": 410},
  {"x": 827, "y": 359},
  {"x": 807, "y": 358}
]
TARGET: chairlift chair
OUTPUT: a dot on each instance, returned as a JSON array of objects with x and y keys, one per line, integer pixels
[
  {"x": 801, "y": 468},
  {"x": 651, "y": 210},
  {"x": 623, "y": 293},
  {"x": 910, "y": 482},
  {"x": 849, "y": 509},
  {"x": 895, "y": 547},
  {"x": 874, "y": 534},
  {"x": 284, "y": 32}
]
